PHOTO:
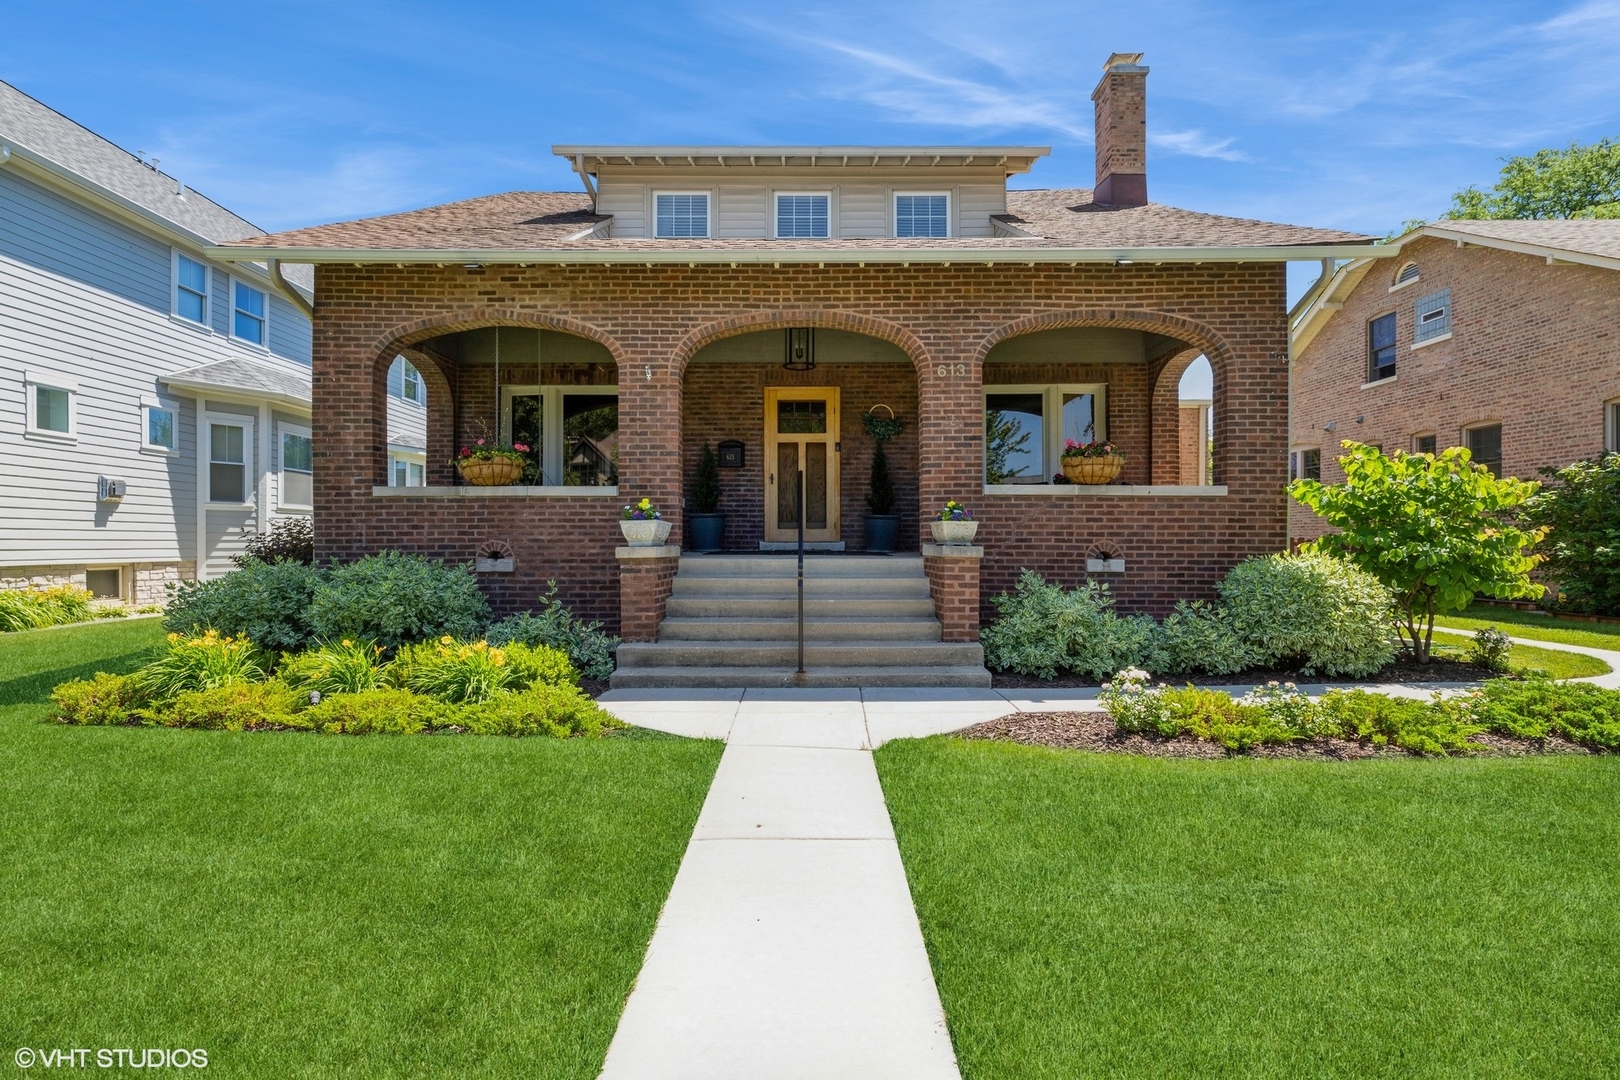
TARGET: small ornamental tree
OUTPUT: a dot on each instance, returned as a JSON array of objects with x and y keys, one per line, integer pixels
[
  {"x": 1580, "y": 509},
  {"x": 881, "y": 499},
  {"x": 1436, "y": 530},
  {"x": 706, "y": 486}
]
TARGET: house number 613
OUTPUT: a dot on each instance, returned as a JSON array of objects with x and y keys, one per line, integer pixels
[{"x": 945, "y": 371}]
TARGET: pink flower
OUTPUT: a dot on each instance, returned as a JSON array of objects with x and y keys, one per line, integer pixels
[{"x": 521, "y": 448}]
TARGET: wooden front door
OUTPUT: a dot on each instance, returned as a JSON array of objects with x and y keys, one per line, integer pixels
[{"x": 801, "y": 433}]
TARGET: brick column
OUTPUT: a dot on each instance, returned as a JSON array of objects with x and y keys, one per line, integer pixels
[
  {"x": 650, "y": 393},
  {"x": 953, "y": 578},
  {"x": 950, "y": 433},
  {"x": 646, "y": 576}
]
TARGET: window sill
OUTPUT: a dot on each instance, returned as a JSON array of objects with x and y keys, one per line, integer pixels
[
  {"x": 470, "y": 491},
  {"x": 1379, "y": 382},
  {"x": 160, "y": 451},
  {"x": 192, "y": 324},
  {"x": 1111, "y": 490},
  {"x": 211, "y": 505},
  {"x": 302, "y": 511},
  {"x": 1416, "y": 345},
  {"x": 1405, "y": 284},
  {"x": 65, "y": 437}
]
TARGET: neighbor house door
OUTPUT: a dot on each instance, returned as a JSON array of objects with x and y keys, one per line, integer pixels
[{"x": 801, "y": 432}]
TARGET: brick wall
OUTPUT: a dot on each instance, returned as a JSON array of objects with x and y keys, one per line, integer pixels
[
  {"x": 652, "y": 319},
  {"x": 1534, "y": 347},
  {"x": 644, "y": 588},
  {"x": 954, "y": 583}
]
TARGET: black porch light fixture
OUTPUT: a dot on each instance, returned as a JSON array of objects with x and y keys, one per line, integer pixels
[{"x": 799, "y": 348}]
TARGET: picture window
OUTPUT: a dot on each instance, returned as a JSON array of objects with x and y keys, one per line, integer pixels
[
  {"x": 572, "y": 433},
  {"x": 161, "y": 432},
  {"x": 51, "y": 406},
  {"x": 1025, "y": 428},
  {"x": 681, "y": 215}
]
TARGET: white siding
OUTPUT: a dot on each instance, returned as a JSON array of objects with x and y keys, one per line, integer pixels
[
  {"x": 863, "y": 210},
  {"x": 974, "y": 205},
  {"x": 628, "y": 205},
  {"x": 742, "y": 212}
]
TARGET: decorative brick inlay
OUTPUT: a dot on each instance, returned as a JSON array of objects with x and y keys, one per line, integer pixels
[
  {"x": 644, "y": 587},
  {"x": 954, "y": 581}
]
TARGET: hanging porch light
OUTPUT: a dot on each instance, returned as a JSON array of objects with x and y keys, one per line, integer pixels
[{"x": 799, "y": 348}]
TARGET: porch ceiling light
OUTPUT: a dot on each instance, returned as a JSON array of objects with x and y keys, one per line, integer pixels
[{"x": 799, "y": 348}]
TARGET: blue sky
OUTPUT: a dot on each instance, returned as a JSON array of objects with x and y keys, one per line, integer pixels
[{"x": 1353, "y": 116}]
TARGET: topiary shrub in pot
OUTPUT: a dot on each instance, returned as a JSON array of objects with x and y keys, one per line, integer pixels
[
  {"x": 708, "y": 524},
  {"x": 882, "y": 525}
]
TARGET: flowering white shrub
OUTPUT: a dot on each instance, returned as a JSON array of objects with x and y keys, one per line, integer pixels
[
  {"x": 1490, "y": 649},
  {"x": 1289, "y": 705}
]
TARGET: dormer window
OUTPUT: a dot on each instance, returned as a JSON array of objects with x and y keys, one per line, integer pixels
[
  {"x": 802, "y": 216},
  {"x": 682, "y": 215},
  {"x": 922, "y": 214}
]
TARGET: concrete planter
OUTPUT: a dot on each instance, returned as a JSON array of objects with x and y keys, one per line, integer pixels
[
  {"x": 644, "y": 532},
  {"x": 954, "y": 532}
]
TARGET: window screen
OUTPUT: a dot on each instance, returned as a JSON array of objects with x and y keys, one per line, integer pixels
[
  {"x": 107, "y": 583},
  {"x": 802, "y": 215},
  {"x": 1381, "y": 347},
  {"x": 922, "y": 215},
  {"x": 1485, "y": 444},
  {"x": 682, "y": 215},
  {"x": 1433, "y": 316}
]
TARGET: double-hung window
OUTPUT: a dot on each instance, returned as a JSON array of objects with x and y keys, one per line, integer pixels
[
  {"x": 405, "y": 473},
  {"x": 681, "y": 214},
  {"x": 1424, "y": 444},
  {"x": 1432, "y": 317},
  {"x": 572, "y": 433},
  {"x": 297, "y": 481},
  {"x": 1026, "y": 427},
  {"x": 925, "y": 214},
  {"x": 162, "y": 433},
  {"x": 248, "y": 314},
  {"x": 1611, "y": 437},
  {"x": 1485, "y": 446},
  {"x": 1305, "y": 464},
  {"x": 1381, "y": 348},
  {"x": 410, "y": 383},
  {"x": 803, "y": 216},
  {"x": 190, "y": 289},
  {"x": 228, "y": 443},
  {"x": 50, "y": 406}
]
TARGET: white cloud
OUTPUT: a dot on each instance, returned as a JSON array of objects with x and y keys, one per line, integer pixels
[{"x": 1195, "y": 143}]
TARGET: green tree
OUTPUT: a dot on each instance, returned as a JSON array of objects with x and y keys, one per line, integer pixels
[
  {"x": 1004, "y": 436},
  {"x": 1580, "y": 182},
  {"x": 1436, "y": 530},
  {"x": 1581, "y": 512},
  {"x": 706, "y": 485},
  {"x": 881, "y": 498}
]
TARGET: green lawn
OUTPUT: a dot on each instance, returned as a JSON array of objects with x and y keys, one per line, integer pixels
[
  {"x": 1556, "y": 663},
  {"x": 1102, "y": 915},
  {"x": 1534, "y": 625},
  {"x": 302, "y": 905}
]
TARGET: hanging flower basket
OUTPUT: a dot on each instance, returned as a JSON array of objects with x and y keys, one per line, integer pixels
[
  {"x": 1092, "y": 462},
  {"x": 491, "y": 472}
]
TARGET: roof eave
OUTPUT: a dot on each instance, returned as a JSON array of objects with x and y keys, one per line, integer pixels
[
  {"x": 218, "y": 392},
  {"x": 1546, "y": 251}
]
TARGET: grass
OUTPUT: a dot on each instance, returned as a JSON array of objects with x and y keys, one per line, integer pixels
[
  {"x": 1103, "y": 915},
  {"x": 1534, "y": 625},
  {"x": 1556, "y": 663},
  {"x": 301, "y": 905}
]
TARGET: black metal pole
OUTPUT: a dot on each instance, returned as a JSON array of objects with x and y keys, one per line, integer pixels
[{"x": 800, "y": 500}]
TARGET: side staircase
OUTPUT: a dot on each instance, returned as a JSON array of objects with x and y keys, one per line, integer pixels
[{"x": 732, "y": 620}]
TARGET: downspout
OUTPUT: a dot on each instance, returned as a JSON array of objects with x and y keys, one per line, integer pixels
[
  {"x": 286, "y": 289},
  {"x": 585, "y": 178}
]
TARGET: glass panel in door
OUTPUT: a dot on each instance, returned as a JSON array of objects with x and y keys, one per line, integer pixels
[{"x": 787, "y": 472}]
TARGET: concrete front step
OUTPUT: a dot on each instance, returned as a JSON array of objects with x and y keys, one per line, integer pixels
[
  {"x": 779, "y": 586},
  {"x": 951, "y": 675},
  {"x": 727, "y": 606},
  {"x": 740, "y": 654},
  {"x": 835, "y": 628},
  {"x": 825, "y": 566}
]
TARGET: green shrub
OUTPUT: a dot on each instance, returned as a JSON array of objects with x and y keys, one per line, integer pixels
[
  {"x": 1440, "y": 725},
  {"x": 590, "y": 650},
  {"x": 1200, "y": 637},
  {"x": 206, "y": 662},
  {"x": 347, "y": 667},
  {"x": 458, "y": 672},
  {"x": 1043, "y": 630},
  {"x": 394, "y": 599},
  {"x": 268, "y": 603},
  {"x": 559, "y": 711},
  {"x": 1490, "y": 648},
  {"x": 1315, "y": 611},
  {"x": 538, "y": 665},
  {"x": 1536, "y": 708},
  {"x": 290, "y": 539},
  {"x": 111, "y": 611},
  {"x": 1211, "y": 715},
  {"x": 230, "y": 707},
  {"x": 105, "y": 699},
  {"x": 35, "y": 609},
  {"x": 376, "y": 712},
  {"x": 1580, "y": 508}
]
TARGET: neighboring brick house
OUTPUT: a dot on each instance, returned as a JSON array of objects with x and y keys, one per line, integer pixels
[
  {"x": 1502, "y": 336},
  {"x": 624, "y": 328}
]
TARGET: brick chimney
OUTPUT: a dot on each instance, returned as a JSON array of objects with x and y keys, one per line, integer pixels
[{"x": 1121, "y": 118}]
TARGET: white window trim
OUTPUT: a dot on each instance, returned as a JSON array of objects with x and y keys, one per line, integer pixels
[
  {"x": 230, "y": 315},
  {"x": 32, "y": 380},
  {"x": 208, "y": 293},
  {"x": 148, "y": 403},
  {"x": 1611, "y": 425},
  {"x": 409, "y": 461},
  {"x": 283, "y": 430},
  {"x": 894, "y": 214},
  {"x": 776, "y": 215},
  {"x": 1052, "y": 408},
  {"x": 1416, "y": 435},
  {"x": 405, "y": 381},
  {"x": 1416, "y": 345},
  {"x": 708, "y": 216},
  {"x": 551, "y": 422},
  {"x": 1296, "y": 462},
  {"x": 1413, "y": 280},
  {"x": 249, "y": 486}
]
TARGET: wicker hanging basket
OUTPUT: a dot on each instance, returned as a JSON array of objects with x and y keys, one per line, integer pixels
[
  {"x": 496, "y": 472},
  {"x": 1093, "y": 470}
]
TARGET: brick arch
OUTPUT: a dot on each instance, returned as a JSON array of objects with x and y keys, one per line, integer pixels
[
  {"x": 440, "y": 383},
  {"x": 420, "y": 330},
  {"x": 1195, "y": 334},
  {"x": 1165, "y": 414},
  {"x": 820, "y": 318}
]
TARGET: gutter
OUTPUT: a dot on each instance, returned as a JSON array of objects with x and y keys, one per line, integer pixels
[
  {"x": 585, "y": 178},
  {"x": 801, "y": 255},
  {"x": 288, "y": 290}
]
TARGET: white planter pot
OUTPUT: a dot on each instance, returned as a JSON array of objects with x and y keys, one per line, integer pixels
[
  {"x": 954, "y": 532},
  {"x": 644, "y": 532}
]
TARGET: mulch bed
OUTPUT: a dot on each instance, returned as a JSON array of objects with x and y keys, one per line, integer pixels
[
  {"x": 1095, "y": 731},
  {"x": 1400, "y": 671}
]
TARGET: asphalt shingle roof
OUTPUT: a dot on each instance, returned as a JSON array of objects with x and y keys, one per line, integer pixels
[
  {"x": 1587, "y": 235},
  {"x": 244, "y": 375}
]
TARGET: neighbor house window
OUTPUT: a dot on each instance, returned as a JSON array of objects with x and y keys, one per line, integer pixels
[
  {"x": 248, "y": 314},
  {"x": 922, "y": 215},
  {"x": 227, "y": 462},
  {"x": 1025, "y": 428},
  {"x": 681, "y": 214},
  {"x": 1305, "y": 465},
  {"x": 297, "y": 485},
  {"x": 50, "y": 405},
  {"x": 1485, "y": 444},
  {"x": 1424, "y": 444},
  {"x": 160, "y": 428},
  {"x": 1611, "y": 439},
  {"x": 1381, "y": 348},
  {"x": 410, "y": 383},
  {"x": 802, "y": 216},
  {"x": 1433, "y": 317},
  {"x": 572, "y": 433},
  {"x": 190, "y": 289},
  {"x": 406, "y": 473}
]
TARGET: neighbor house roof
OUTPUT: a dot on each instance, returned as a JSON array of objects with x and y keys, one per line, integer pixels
[
  {"x": 1040, "y": 226},
  {"x": 1584, "y": 241},
  {"x": 1011, "y": 159},
  {"x": 244, "y": 377}
]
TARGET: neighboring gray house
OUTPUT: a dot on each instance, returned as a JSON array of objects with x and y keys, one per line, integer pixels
[
  {"x": 407, "y": 425},
  {"x": 117, "y": 340}
]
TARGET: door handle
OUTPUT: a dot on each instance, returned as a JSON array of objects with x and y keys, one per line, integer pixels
[{"x": 773, "y": 479}]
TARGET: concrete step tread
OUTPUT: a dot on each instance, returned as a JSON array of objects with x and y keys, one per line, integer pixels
[
  {"x": 839, "y": 653},
  {"x": 961, "y": 675}
]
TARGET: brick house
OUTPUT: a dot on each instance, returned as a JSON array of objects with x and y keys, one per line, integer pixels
[
  {"x": 1502, "y": 336},
  {"x": 624, "y": 328}
]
